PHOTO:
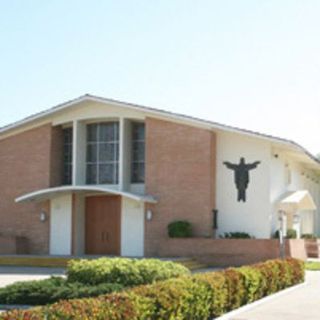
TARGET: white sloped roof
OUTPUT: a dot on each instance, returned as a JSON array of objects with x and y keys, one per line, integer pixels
[
  {"x": 297, "y": 200},
  {"x": 189, "y": 119},
  {"x": 44, "y": 194}
]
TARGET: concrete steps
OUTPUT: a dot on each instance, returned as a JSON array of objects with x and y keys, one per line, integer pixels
[
  {"x": 312, "y": 248},
  {"x": 192, "y": 264},
  {"x": 35, "y": 261}
]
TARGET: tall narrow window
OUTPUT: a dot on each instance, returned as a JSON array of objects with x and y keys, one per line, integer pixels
[
  {"x": 103, "y": 153},
  {"x": 67, "y": 156},
  {"x": 137, "y": 152}
]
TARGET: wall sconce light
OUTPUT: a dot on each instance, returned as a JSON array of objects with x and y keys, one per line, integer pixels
[
  {"x": 43, "y": 216},
  {"x": 215, "y": 219},
  {"x": 149, "y": 215}
]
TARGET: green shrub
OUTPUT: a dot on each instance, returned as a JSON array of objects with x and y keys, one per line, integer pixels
[
  {"x": 180, "y": 229},
  {"x": 236, "y": 288},
  {"x": 178, "y": 299},
  {"x": 40, "y": 292},
  {"x": 127, "y": 272},
  {"x": 254, "y": 282},
  {"x": 198, "y": 297},
  {"x": 291, "y": 234},
  {"x": 308, "y": 236},
  {"x": 270, "y": 273},
  {"x": 217, "y": 283},
  {"x": 113, "y": 307},
  {"x": 236, "y": 235}
]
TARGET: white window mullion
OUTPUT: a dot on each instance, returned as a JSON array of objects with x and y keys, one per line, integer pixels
[{"x": 121, "y": 161}]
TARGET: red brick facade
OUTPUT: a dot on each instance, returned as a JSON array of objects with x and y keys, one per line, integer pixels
[
  {"x": 180, "y": 172},
  {"x": 231, "y": 252},
  {"x": 29, "y": 161}
]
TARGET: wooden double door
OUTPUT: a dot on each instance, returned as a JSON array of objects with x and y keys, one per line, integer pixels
[{"x": 102, "y": 231}]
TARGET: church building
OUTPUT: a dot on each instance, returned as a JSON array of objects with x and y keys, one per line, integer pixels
[{"x": 104, "y": 177}]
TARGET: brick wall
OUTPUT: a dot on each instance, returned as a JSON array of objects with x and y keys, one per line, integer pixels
[
  {"x": 180, "y": 172},
  {"x": 231, "y": 252},
  {"x": 25, "y": 166},
  {"x": 56, "y": 159}
]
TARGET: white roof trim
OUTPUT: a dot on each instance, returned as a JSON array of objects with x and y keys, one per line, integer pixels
[
  {"x": 192, "y": 120},
  {"x": 297, "y": 200},
  {"x": 48, "y": 193}
]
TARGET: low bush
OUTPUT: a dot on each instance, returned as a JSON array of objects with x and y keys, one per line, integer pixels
[
  {"x": 180, "y": 298},
  {"x": 40, "y": 292},
  {"x": 199, "y": 297},
  {"x": 308, "y": 236},
  {"x": 127, "y": 272},
  {"x": 236, "y": 235},
  {"x": 291, "y": 234},
  {"x": 180, "y": 229},
  {"x": 218, "y": 287}
]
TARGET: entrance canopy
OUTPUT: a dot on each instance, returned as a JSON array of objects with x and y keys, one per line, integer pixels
[
  {"x": 45, "y": 194},
  {"x": 297, "y": 200}
]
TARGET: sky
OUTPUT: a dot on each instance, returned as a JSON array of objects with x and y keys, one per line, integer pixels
[{"x": 251, "y": 64}]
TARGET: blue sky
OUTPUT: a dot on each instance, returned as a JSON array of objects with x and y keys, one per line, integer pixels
[{"x": 252, "y": 64}]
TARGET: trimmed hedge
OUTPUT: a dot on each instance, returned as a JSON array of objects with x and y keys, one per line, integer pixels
[
  {"x": 180, "y": 229},
  {"x": 127, "y": 272},
  {"x": 197, "y": 297},
  {"x": 236, "y": 235},
  {"x": 291, "y": 234},
  {"x": 41, "y": 292}
]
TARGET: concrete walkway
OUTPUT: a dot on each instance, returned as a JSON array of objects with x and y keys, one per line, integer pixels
[
  {"x": 300, "y": 304},
  {"x": 9, "y": 275}
]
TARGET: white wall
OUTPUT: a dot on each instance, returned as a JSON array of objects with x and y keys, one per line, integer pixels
[
  {"x": 132, "y": 228},
  {"x": 61, "y": 225},
  {"x": 254, "y": 215},
  {"x": 300, "y": 179}
]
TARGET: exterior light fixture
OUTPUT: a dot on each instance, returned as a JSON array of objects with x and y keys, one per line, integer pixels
[
  {"x": 43, "y": 216},
  {"x": 149, "y": 214},
  {"x": 215, "y": 219},
  {"x": 296, "y": 224},
  {"x": 282, "y": 232}
]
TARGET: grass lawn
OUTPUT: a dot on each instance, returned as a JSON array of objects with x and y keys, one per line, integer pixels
[{"x": 313, "y": 265}]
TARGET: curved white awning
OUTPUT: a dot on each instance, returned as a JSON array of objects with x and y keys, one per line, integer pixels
[
  {"x": 297, "y": 200},
  {"x": 45, "y": 194}
]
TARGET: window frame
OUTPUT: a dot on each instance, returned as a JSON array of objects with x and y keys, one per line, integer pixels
[
  {"x": 133, "y": 161},
  {"x": 69, "y": 155},
  {"x": 97, "y": 163}
]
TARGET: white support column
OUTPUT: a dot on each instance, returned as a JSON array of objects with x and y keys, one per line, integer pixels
[
  {"x": 61, "y": 225},
  {"x": 79, "y": 153},
  {"x": 121, "y": 153}
]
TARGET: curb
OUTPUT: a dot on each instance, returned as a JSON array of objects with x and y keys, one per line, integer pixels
[{"x": 252, "y": 305}]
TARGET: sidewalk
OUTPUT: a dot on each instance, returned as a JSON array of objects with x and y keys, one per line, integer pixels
[
  {"x": 300, "y": 304},
  {"x": 11, "y": 274}
]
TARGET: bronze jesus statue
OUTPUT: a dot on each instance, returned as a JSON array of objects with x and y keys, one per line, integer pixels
[{"x": 241, "y": 176}]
